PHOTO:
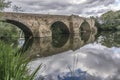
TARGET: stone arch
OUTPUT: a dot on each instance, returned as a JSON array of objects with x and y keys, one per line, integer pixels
[
  {"x": 59, "y": 27},
  {"x": 27, "y": 32},
  {"x": 85, "y": 27},
  {"x": 60, "y": 34}
]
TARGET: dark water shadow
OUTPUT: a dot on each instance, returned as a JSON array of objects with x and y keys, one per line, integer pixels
[
  {"x": 59, "y": 40},
  {"x": 85, "y": 36}
]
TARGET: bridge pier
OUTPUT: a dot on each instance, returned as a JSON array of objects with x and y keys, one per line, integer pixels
[{"x": 75, "y": 23}]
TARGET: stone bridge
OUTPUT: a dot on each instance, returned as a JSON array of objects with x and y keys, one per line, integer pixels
[
  {"x": 43, "y": 47},
  {"x": 39, "y": 25}
]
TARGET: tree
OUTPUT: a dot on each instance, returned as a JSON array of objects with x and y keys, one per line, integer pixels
[
  {"x": 17, "y": 9},
  {"x": 111, "y": 20},
  {"x": 4, "y": 4}
]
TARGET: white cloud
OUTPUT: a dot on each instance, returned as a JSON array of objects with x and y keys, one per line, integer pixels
[
  {"x": 96, "y": 60},
  {"x": 78, "y": 7},
  {"x": 77, "y": 1}
]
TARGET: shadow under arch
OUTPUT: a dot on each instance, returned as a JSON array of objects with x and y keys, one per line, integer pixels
[
  {"x": 59, "y": 27},
  {"x": 27, "y": 33},
  {"x": 59, "y": 41},
  {"x": 60, "y": 34},
  {"x": 85, "y": 31},
  {"x": 85, "y": 26},
  {"x": 24, "y": 28}
]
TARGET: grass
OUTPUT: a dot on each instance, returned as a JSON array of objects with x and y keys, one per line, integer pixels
[{"x": 13, "y": 65}]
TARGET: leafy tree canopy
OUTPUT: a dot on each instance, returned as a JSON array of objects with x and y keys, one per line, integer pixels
[
  {"x": 4, "y": 4},
  {"x": 110, "y": 20}
]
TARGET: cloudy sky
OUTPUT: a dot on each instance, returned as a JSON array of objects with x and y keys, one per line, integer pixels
[{"x": 67, "y": 7}]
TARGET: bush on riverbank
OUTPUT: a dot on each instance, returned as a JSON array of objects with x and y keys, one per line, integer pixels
[
  {"x": 9, "y": 33},
  {"x": 8, "y": 30},
  {"x": 109, "y": 21},
  {"x": 13, "y": 66}
]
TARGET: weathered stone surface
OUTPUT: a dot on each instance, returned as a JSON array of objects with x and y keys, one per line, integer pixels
[{"x": 39, "y": 25}]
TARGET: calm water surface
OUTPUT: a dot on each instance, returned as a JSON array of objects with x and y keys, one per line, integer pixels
[
  {"x": 79, "y": 57},
  {"x": 84, "y": 56}
]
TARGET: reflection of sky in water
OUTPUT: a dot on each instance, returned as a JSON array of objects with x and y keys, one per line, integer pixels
[
  {"x": 91, "y": 62},
  {"x": 21, "y": 42}
]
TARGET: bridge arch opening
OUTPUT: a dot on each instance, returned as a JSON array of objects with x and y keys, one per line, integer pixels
[
  {"x": 85, "y": 31},
  {"x": 60, "y": 34},
  {"x": 59, "y": 27},
  {"x": 27, "y": 32},
  {"x": 15, "y": 33},
  {"x": 85, "y": 27}
]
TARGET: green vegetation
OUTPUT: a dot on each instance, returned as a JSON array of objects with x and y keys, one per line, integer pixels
[
  {"x": 9, "y": 33},
  {"x": 109, "y": 21},
  {"x": 59, "y": 40},
  {"x": 4, "y": 4},
  {"x": 8, "y": 30},
  {"x": 13, "y": 65},
  {"x": 59, "y": 28},
  {"x": 109, "y": 39}
]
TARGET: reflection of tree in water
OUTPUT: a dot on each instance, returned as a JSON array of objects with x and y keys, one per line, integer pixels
[
  {"x": 59, "y": 40},
  {"x": 59, "y": 28},
  {"x": 109, "y": 39},
  {"x": 9, "y": 34},
  {"x": 84, "y": 27},
  {"x": 60, "y": 34},
  {"x": 85, "y": 36},
  {"x": 85, "y": 31}
]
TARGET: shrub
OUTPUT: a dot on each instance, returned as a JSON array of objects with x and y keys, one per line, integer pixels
[
  {"x": 13, "y": 65},
  {"x": 118, "y": 27}
]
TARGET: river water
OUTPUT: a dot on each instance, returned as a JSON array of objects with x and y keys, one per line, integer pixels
[{"x": 83, "y": 56}]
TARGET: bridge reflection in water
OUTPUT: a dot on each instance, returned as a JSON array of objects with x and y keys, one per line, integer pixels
[
  {"x": 95, "y": 61},
  {"x": 47, "y": 46}
]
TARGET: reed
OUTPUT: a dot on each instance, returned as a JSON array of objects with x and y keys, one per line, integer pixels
[{"x": 13, "y": 65}]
